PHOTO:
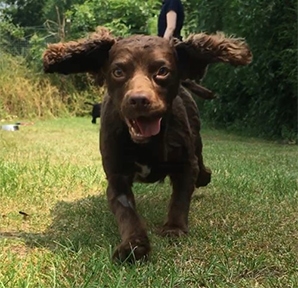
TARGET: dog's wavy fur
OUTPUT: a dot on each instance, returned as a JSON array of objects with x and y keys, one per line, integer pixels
[
  {"x": 176, "y": 151},
  {"x": 90, "y": 53}
]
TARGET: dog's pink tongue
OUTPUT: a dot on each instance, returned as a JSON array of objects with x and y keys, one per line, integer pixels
[{"x": 149, "y": 127}]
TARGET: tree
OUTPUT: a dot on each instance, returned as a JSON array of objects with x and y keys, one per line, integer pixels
[
  {"x": 25, "y": 13},
  {"x": 260, "y": 98},
  {"x": 123, "y": 17}
]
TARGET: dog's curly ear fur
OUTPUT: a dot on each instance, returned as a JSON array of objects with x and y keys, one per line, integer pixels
[
  {"x": 200, "y": 50},
  {"x": 85, "y": 55}
]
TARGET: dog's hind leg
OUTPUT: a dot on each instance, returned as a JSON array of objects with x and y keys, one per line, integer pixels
[
  {"x": 204, "y": 176},
  {"x": 183, "y": 188}
]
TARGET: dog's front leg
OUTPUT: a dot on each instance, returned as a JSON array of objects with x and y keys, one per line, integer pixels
[
  {"x": 183, "y": 187},
  {"x": 135, "y": 243}
]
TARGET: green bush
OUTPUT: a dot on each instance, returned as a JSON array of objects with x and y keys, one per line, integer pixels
[
  {"x": 29, "y": 96},
  {"x": 26, "y": 94},
  {"x": 262, "y": 98},
  {"x": 259, "y": 99},
  {"x": 122, "y": 17}
]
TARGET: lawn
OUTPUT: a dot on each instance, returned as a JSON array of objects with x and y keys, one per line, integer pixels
[{"x": 243, "y": 226}]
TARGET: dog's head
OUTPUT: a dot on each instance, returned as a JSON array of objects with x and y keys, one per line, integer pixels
[
  {"x": 143, "y": 73},
  {"x": 142, "y": 79}
]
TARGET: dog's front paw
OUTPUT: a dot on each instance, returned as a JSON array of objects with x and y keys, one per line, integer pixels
[
  {"x": 173, "y": 231},
  {"x": 132, "y": 250}
]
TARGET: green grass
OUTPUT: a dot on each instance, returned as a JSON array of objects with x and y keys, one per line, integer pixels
[{"x": 243, "y": 226}]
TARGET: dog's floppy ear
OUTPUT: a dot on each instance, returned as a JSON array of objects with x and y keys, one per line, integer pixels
[
  {"x": 200, "y": 50},
  {"x": 85, "y": 55}
]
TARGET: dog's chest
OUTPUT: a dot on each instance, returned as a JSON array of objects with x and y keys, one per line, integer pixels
[
  {"x": 151, "y": 168},
  {"x": 146, "y": 165},
  {"x": 147, "y": 161},
  {"x": 153, "y": 161},
  {"x": 142, "y": 171}
]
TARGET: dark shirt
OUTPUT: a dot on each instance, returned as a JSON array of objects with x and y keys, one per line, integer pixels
[{"x": 176, "y": 6}]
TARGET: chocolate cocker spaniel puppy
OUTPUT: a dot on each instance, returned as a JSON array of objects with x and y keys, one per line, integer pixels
[{"x": 150, "y": 126}]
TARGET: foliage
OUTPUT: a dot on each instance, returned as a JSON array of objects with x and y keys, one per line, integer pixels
[
  {"x": 25, "y": 95},
  {"x": 24, "y": 13},
  {"x": 122, "y": 17},
  {"x": 10, "y": 36},
  {"x": 59, "y": 21},
  {"x": 260, "y": 98}
]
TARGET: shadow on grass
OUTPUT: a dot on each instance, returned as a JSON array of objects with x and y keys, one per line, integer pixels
[
  {"x": 88, "y": 222},
  {"x": 85, "y": 222}
]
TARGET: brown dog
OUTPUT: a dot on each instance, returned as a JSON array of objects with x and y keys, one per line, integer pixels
[{"x": 150, "y": 126}]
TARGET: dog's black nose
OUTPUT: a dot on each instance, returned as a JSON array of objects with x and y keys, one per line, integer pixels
[{"x": 139, "y": 100}]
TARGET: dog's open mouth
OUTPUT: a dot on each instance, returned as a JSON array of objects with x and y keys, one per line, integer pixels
[{"x": 142, "y": 128}]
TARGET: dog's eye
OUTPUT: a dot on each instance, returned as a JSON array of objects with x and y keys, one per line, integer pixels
[
  {"x": 163, "y": 71},
  {"x": 118, "y": 72}
]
